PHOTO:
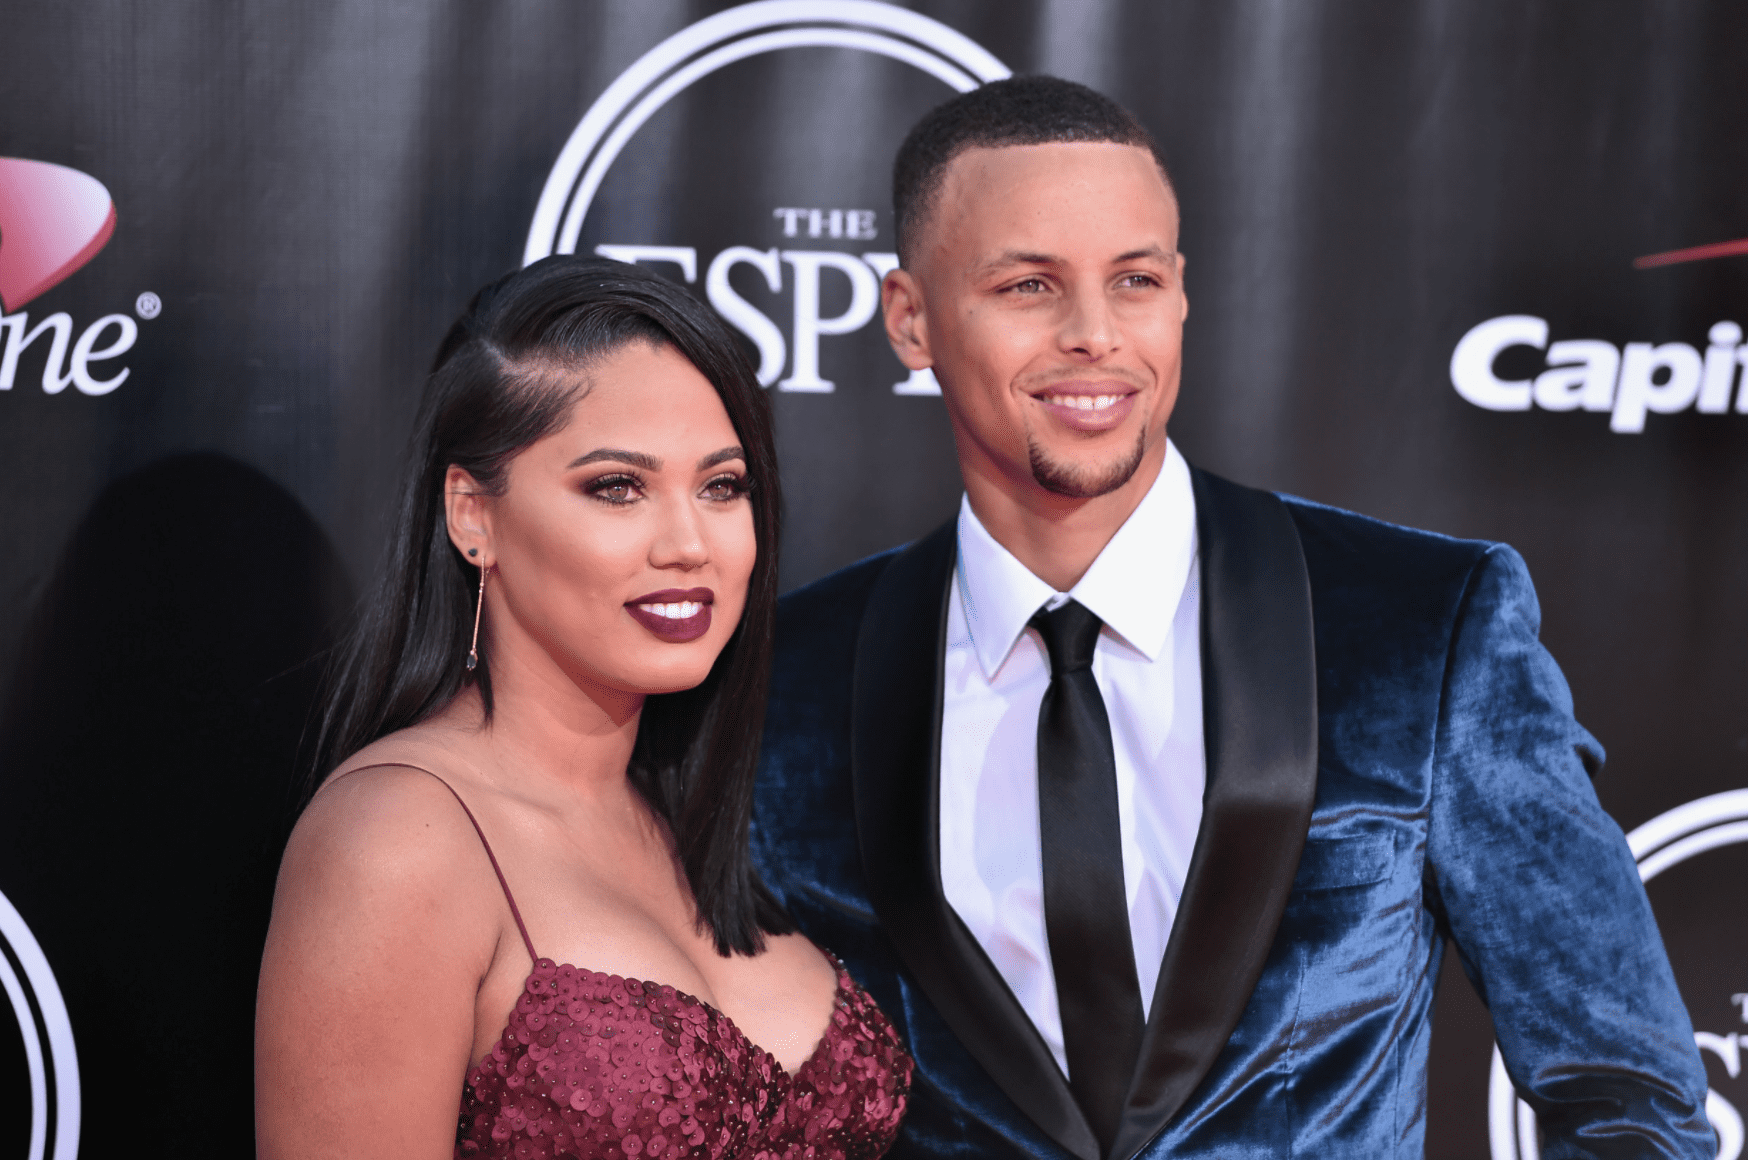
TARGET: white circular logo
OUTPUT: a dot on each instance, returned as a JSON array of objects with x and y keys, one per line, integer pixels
[
  {"x": 1662, "y": 842},
  {"x": 701, "y": 49},
  {"x": 148, "y": 306},
  {"x": 48, "y": 1039}
]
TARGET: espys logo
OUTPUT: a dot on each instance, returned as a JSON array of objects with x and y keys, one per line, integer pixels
[
  {"x": 1707, "y": 826},
  {"x": 47, "y": 1033},
  {"x": 694, "y": 53},
  {"x": 53, "y": 220},
  {"x": 1626, "y": 383}
]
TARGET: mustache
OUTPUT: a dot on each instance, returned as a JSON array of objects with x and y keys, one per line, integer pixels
[{"x": 1040, "y": 382}]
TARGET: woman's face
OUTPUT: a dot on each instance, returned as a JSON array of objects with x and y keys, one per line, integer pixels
[{"x": 623, "y": 543}]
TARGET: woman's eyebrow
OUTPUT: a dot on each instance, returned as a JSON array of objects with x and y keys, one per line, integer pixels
[
  {"x": 635, "y": 458},
  {"x": 722, "y": 456}
]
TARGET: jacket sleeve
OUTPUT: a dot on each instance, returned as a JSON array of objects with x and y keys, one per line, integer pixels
[{"x": 1543, "y": 900}]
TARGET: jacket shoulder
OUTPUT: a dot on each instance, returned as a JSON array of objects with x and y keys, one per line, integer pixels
[
  {"x": 817, "y": 628},
  {"x": 803, "y": 783},
  {"x": 831, "y": 606},
  {"x": 1345, "y": 550}
]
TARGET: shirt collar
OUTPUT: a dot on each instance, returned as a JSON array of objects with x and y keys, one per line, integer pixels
[{"x": 1133, "y": 586}]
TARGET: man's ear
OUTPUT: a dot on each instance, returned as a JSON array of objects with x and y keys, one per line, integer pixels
[
  {"x": 469, "y": 521},
  {"x": 907, "y": 326}
]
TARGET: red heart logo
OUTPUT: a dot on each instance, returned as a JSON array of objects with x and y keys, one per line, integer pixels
[{"x": 52, "y": 221}]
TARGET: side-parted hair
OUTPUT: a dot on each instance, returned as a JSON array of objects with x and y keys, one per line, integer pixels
[
  {"x": 1032, "y": 110},
  {"x": 506, "y": 375}
]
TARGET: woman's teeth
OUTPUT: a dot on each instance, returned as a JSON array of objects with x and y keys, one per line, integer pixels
[
  {"x": 684, "y": 610},
  {"x": 1083, "y": 402}
]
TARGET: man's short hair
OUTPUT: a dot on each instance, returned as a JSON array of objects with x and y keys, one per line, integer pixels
[{"x": 1034, "y": 110}]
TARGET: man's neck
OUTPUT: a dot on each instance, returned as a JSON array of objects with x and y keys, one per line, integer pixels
[{"x": 1056, "y": 537}]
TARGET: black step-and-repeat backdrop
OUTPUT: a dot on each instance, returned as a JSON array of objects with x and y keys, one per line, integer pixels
[{"x": 1471, "y": 267}]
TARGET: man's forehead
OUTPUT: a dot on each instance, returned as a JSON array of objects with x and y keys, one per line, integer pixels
[
  {"x": 1041, "y": 190},
  {"x": 1055, "y": 204},
  {"x": 1053, "y": 162}
]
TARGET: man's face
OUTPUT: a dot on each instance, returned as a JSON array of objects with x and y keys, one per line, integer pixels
[{"x": 1047, "y": 293}]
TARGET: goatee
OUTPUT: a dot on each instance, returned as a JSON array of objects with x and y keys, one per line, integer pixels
[{"x": 1083, "y": 483}]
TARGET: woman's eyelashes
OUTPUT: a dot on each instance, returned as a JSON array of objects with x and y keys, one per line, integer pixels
[
  {"x": 619, "y": 488},
  {"x": 615, "y": 488},
  {"x": 727, "y": 487}
]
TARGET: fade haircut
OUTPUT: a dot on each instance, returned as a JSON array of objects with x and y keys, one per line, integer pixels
[{"x": 1034, "y": 110}]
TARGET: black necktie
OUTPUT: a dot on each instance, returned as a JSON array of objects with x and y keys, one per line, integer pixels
[{"x": 1086, "y": 912}]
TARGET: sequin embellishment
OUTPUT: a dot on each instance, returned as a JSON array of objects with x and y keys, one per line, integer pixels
[{"x": 594, "y": 1066}]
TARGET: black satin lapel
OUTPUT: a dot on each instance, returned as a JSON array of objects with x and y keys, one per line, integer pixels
[
  {"x": 895, "y": 755},
  {"x": 1259, "y": 690}
]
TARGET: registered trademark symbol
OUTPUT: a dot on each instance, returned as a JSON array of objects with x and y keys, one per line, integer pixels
[{"x": 148, "y": 305}]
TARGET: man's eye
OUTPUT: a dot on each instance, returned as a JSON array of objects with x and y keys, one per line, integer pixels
[
  {"x": 1138, "y": 281},
  {"x": 1029, "y": 286}
]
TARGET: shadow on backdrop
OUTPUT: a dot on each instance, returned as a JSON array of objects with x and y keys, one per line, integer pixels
[{"x": 148, "y": 775}]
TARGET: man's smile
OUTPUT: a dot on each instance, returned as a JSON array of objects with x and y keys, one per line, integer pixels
[{"x": 1088, "y": 406}]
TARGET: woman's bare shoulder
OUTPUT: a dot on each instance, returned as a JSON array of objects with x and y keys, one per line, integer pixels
[
  {"x": 430, "y": 746},
  {"x": 386, "y": 920},
  {"x": 385, "y": 820}
]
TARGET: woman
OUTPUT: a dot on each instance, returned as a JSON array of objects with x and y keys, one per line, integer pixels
[{"x": 548, "y": 724}]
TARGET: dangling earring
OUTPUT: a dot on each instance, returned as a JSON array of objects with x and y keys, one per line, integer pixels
[{"x": 473, "y": 650}]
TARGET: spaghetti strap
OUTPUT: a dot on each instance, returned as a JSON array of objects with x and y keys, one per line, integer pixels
[{"x": 496, "y": 869}]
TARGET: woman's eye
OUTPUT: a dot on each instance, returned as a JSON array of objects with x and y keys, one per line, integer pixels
[
  {"x": 614, "y": 489},
  {"x": 726, "y": 487}
]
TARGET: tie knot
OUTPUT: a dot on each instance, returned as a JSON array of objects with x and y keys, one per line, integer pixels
[{"x": 1070, "y": 634}]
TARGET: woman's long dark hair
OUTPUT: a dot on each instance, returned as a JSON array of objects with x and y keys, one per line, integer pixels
[{"x": 492, "y": 392}]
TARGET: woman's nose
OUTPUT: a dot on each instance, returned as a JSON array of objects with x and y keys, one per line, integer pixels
[{"x": 679, "y": 541}]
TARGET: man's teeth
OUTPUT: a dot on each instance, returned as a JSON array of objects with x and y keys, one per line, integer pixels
[
  {"x": 1084, "y": 402},
  {"x": 684, "y": 610}
]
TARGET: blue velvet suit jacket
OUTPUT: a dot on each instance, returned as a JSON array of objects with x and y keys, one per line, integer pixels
[{"x": 1392, "y": 762}]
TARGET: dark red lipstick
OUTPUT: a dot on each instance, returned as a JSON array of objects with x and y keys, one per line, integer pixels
[{"x": 666, "y": 614}]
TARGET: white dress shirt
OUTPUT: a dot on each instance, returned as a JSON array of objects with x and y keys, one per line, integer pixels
[{"x": 1145, "y": 587}]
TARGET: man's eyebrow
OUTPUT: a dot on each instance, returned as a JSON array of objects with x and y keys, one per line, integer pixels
[
  {"x": 1155, "y": 251},
  {"x": 723, "y": 456},
  {"x": 1016, "y": 258},
  {"x": 1029, "y": 258},
  {"x": 635, "y": 458}
]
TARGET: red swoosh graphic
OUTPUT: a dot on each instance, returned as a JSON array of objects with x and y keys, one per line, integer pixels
[
  {"x": 52, "y": 221},
  {"x": 1692, "y": 254}
]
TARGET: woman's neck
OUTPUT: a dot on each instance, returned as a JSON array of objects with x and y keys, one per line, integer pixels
[{"x": 548, "y": 727}]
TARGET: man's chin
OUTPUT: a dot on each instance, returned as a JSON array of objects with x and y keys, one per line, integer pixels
[{"x": 1084, "y": 480}]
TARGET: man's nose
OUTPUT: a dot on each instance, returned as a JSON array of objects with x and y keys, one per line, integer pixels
[{"x": 1088, "y": 326}]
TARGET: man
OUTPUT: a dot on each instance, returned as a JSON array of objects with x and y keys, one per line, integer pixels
[{"x": 1143, "y": 802}]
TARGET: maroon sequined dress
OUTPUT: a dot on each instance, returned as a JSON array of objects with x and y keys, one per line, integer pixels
[{"x": 594, "y": 1066}]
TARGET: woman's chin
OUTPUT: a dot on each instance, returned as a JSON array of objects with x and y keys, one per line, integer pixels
[{"x": 656, "y": 680}]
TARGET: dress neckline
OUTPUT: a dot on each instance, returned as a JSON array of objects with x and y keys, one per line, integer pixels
[
  {"x": 599, "y": 1066},
  {"x": 839, "y": 993}
]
